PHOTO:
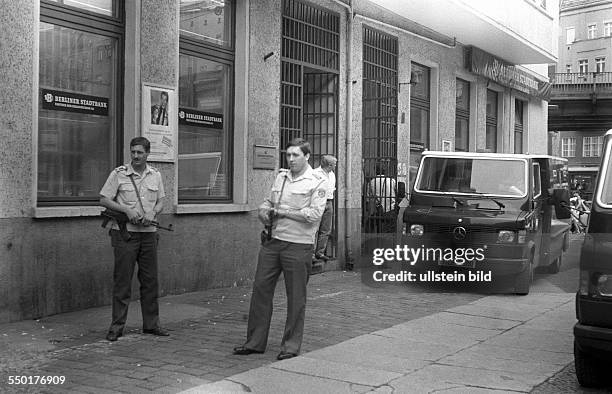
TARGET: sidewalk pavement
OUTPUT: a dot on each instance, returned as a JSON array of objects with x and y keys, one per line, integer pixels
[
  {"x": 357, "y": 338},
  {"x": 204, "y": 328},
  {"x": 494, "y": 344}
]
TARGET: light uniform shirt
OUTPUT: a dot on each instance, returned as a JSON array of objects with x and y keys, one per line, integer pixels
[
  {"x": 119, "y": 187},
  {"x": 384, "y": 189},
  {"x": 305, "y": 194},
  {"x": 330, "y": 178}
]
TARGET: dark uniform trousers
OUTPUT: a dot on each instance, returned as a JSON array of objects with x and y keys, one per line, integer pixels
[
  {"x": 325, "y": 227},
  {"x": 142, "y": 247},
  {"x": 294, "y": 260}
]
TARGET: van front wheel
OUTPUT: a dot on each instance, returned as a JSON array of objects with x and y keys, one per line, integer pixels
[
  {"x": 523, "y": 280},
  {"x": 588, "y": 370}
]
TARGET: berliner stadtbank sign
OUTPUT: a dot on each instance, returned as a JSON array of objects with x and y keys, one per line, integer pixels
[
  {"x": 497, "y": 70},
  {"x": 74, "y": 102}
]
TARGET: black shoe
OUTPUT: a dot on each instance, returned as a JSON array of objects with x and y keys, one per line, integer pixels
[
  {"x": 245, "y": 351},
  {"x": 113, "y": 336},
  {"x": 158, "y": 331},
  {"x": 285, "y": 356}
]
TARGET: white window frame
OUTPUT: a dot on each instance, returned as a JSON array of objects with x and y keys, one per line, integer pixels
[
  {"x": 591, "y": 146},
  {"x": 585, "y": 63},
  {"x": 607, "y": 28},
  {"x": 568, "y": 68},
  {"x": 592, "y": 31},
  {"x": 568, "y": 147},
  {"x": 600, "y": 61},
  {"x": 570, "y": 35}
]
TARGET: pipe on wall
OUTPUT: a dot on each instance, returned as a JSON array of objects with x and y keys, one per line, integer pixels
[{"x": 348, "y": 256}]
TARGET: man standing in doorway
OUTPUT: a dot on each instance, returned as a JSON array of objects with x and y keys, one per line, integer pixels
[
  {"x": 135, "y": 189},
  {"x": 326, "y": 171},
  {"x": 292, "y": 212}
]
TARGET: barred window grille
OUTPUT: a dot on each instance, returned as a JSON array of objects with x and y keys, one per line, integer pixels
[{"x": 379, "y": 114}]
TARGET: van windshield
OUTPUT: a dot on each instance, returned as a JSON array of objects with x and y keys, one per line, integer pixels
[{"x": 461, "y": 175}]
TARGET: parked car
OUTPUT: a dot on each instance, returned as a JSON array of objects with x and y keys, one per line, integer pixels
[
  {"x": 593, "y": 331},
  {"x": 501, "y": 204}
]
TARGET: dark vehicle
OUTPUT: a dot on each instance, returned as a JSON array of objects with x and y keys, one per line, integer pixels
[
  {"x": 499, "y": 206},
  {"x": 593, "y": 332}
]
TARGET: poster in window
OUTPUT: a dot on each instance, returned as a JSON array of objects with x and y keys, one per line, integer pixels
[{"x": 159, "y": 121}]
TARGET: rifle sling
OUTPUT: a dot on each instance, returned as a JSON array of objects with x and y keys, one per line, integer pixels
[
  {"x": 278, "y": 202},
  {"x": 137, "y": 193}
]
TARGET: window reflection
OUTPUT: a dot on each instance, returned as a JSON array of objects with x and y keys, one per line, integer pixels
[
  {"x": 206, "y": 20},
  {"x": 74, "y": 149},
  {"x": 104, "y": 7},
  {"x": 204, "y": 131}
]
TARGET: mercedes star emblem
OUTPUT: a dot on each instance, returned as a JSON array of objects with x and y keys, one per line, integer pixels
[{"x": 459, "y": 233}]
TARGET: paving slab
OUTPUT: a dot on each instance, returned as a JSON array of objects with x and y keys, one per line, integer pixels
[
  {"x": 520, "y": 313},
  {"x": 274, "y": 381},
  {"x": 402, "y": 347},
  {"x": 458, "y": 377},
  {"x": 429, "y": 330},
  {"x": 368, "y": 376},
  {"x": 360, "y": 358},
  {"x": 471, "y": 321},
  {"x": 530, "y": 338}
]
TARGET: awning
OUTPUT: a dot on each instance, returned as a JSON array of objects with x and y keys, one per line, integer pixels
[{"x": 484, "y": 24}]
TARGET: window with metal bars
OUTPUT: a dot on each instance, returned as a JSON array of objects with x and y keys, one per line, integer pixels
[
  {"x": 420, "y": 106},
  {"x": 491, "y": 121},
  {"x": 462, "y": 117},
  {"x": 379, "y": 145},
  {"x": 518, "y": 126},
  {"x": 309, "y": 85},
  {"x": 309, "y": 75}
]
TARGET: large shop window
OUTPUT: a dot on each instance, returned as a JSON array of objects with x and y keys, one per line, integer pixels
[
  {"x": 462, "y": 117},
  {"x": 519, "y": 120},
  {"x": 419, "y": 107},
  {"x": 491, "y": 121},
  {"x": 79, "y": 99},
  {"x": 206, "y": 73}
]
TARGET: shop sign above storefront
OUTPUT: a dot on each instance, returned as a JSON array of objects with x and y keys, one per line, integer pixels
[
  {"x": 503, "y": 73},
  {"x": 74, "y": 102},
  {"x": 190, "y": 117}
]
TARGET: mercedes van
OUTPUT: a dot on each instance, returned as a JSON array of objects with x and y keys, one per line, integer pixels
[{"x": 497, "y": 207}]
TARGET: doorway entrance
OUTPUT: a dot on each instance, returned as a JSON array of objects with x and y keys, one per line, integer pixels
[{"x": 309, "y": 85}]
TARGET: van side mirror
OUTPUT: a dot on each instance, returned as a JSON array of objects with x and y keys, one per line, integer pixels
[
  {"x": 401, "y": 191},
  {"x": 561, "y": 200}
]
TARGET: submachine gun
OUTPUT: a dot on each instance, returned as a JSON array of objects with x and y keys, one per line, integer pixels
[{"x": 122, "y": 221}]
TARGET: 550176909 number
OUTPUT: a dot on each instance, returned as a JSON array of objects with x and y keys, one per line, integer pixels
[{"x": 36, "y": 379}]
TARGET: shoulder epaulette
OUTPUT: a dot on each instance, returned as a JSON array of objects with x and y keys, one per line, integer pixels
[
  {"x": 153, "y": 169},
  {"x": 121, "y": 168}
]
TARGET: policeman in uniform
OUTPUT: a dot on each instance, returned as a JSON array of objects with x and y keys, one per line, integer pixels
[
  {"x": 296, "y": 203},
  {"x": 326, "y": 171},
  {"x": 135, "y": 189}
]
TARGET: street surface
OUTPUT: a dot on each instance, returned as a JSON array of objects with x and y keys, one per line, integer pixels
[{"x": 341, "y": 312}]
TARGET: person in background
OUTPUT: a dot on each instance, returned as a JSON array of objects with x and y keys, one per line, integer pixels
[{"x": 326, "y": 171}]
